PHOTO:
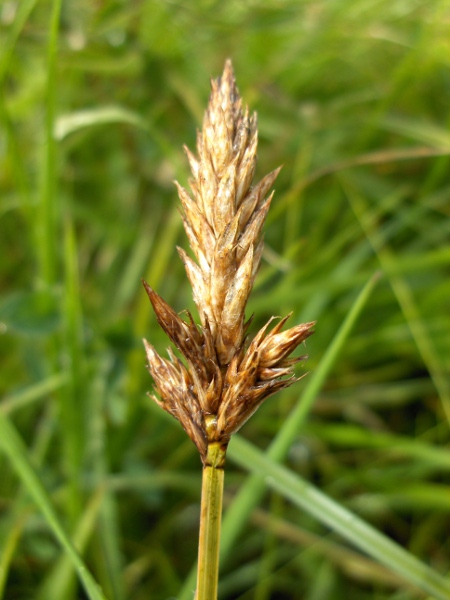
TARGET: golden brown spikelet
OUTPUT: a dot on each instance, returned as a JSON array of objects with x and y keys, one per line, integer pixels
[{"x": 221, "y": 383}]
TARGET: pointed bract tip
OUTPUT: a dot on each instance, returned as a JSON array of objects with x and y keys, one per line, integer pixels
[{"x": 148, "y": 289}]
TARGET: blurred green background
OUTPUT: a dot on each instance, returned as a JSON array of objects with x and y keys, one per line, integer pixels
[{"x": 97, "y": 99}]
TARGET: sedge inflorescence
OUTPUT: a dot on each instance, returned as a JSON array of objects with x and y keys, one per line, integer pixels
[{"x": 223, "y": 378}]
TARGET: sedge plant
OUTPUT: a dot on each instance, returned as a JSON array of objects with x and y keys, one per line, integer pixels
[{"x": 223, "y": 378}]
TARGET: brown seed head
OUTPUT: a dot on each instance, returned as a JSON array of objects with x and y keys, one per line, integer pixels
[{"x": 222, "y": 384}]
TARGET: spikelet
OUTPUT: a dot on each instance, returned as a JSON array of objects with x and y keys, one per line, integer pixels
[{"x": 222, "y": 383}]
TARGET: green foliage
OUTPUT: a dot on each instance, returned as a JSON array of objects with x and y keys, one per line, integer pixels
[{"x": 96, "y": 101}]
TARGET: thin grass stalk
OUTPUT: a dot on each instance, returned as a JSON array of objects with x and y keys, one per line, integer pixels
[
  {"x": 210, "y": 524},
  {"x": 46, "y": 217}
]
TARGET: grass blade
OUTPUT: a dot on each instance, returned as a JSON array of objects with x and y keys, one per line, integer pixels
[
  {"x": 13, "y": 446},
  {"x": 350, "y": 526}
]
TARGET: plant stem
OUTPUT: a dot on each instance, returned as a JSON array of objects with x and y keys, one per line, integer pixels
[{"x": 210, "y": 521}]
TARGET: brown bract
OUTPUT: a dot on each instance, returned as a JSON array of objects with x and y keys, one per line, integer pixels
[{"x": 221, "y": 383}]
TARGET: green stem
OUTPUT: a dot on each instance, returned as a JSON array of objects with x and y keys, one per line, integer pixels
[{"x": 210, "y": 521}]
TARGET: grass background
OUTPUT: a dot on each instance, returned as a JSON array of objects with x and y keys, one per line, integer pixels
[{"x": 96, "y": 102}]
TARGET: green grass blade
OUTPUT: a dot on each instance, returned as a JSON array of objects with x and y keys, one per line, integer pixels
[
  {"x": 8, "y": 547},
  {"x": 281, "y": 444},
  {"x": 32, "y": 393},
  {"x": 72, "y": 404},
  {"x": 23, "y": 12},
  {"x": 82, "y": 119},
  {"x": 14, "y": 448},
  {"x": 108, "y": 527},
  {"x": 405, "y": 298},
  {"x": 346, "y": 523},
  {"x": 352, "y": 436},
  {"x": 47, "y": 210},
  {"x": 59, "y": 581}
]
